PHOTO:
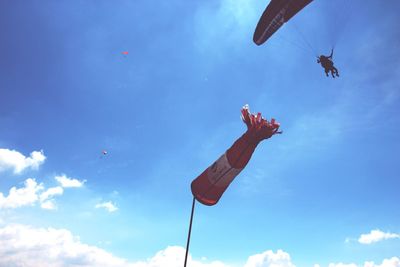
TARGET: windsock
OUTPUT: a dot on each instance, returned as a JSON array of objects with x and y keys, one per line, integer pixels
[{"x": 209, "y": 186}]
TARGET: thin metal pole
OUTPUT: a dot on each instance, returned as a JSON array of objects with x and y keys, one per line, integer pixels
[{"x": 190, "y": 230}]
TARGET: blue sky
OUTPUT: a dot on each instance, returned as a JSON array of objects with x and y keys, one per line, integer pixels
[{"x": 171, "y": 107}]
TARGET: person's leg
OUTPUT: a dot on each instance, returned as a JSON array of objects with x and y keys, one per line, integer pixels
[
  {"x": 327, "y": 72},
  {"x": 336, "y": 71}
]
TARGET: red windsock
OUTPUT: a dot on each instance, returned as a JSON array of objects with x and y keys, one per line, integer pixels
[{"x": 209, "y": 186}]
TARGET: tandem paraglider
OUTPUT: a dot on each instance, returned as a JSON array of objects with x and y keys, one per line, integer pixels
[
  {"x": 279, "y": 12},
  {"x": 327, "y": 63}
]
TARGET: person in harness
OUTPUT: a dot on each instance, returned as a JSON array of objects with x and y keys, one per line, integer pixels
[{"x": 327, "y": 63}]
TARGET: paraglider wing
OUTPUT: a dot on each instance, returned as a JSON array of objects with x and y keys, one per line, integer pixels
[
  {"x": 274, "y": 16},
  {"x": 294, "y": 7}
]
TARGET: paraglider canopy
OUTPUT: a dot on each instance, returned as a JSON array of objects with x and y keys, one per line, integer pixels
[
  {"x": 274, "y": 16},
  {"x": 125, "y": 53}
]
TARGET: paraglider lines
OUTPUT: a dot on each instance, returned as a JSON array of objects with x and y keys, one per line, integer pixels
[{"x": 312, "y": 49}]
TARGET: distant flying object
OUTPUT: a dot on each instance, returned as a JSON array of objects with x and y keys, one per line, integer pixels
[
  {"x": 274, "y": 16},
  {"x": 125, "y": 53}
]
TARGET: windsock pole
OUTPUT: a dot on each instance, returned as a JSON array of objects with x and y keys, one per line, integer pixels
[{"x": 190, "y": 230}]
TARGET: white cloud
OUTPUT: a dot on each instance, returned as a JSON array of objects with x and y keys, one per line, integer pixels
[
  {"x": 54, "y": 191},
  {"x": 376, "y": 236},
  {"x": 392, "y": 262},
  {"x": 69, "y": 182},
  {"x": 17, "y": 162},
  {"x": 24, "y": 196},
  {"x": 30, "y": 194},
  {"x": 110, "y": 207},
  {"x": 46, "y": 201},
  {"x": 342, "y": 265},
  {"x": 175, "y": 256},
  {"x": 25, "y": 246},
  {"x": 270, "y": 259},
  {"x": 48, "y": 205},
  {"x": 22, "y": 245}
]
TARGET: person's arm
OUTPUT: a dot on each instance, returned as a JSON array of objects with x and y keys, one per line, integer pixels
[{"x": 331, "y": 54}]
